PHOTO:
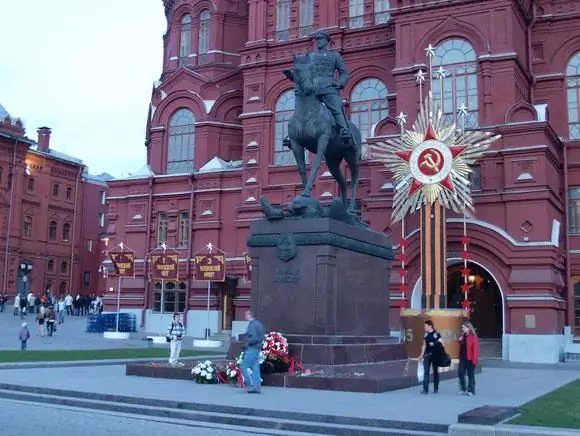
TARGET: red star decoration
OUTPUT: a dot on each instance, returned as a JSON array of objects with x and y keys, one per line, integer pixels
[
  {"x": 403, "y": 272},
  {"x": 465, "y": 288},
  {"x": 404, "y": 243},
  {"x": 430, "y": 134},
  {"x": 465, "y": 272},
  {"x": 464, "y": 240}
]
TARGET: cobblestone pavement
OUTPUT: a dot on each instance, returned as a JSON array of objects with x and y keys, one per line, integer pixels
[
  {"x": 71, "y": 335},
  {"x": 495, "y": 386},
  {"x": 29, "y": 419}
]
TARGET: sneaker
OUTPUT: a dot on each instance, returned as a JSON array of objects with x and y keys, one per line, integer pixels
[
  {"x": 470, "y": 394},
  {"x": 424, "y": 392},
  {"x": 461, "y": 393}
]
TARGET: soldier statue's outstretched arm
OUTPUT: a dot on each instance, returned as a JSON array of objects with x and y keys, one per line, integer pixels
[{"x": 343, "y": 74}]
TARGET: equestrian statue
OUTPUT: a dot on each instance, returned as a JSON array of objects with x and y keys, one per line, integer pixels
[{"x": 320, "y": 125}]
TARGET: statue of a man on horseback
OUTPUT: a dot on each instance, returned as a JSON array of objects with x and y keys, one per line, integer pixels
[
  {"x": 319, "y": 125},
  {"x": 325, "y": 64}
]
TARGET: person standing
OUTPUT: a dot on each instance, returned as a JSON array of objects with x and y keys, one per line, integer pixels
[
  {"x": 68, "y": 301},
  {"x": 60, "y": 306},
  {"x": 2, "y": 301},
  {"x": 251, "y": 360},
  {"x": 23, "y": 335},
  {"x": 468, "y": 358},
  {"x": 430, "y": 355},
  {"x": 175, "y": 333}
]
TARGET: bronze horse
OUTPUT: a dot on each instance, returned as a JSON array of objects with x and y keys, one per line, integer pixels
[{"x": 313, "y": 128}]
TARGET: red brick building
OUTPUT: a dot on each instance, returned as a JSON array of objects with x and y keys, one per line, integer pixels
[
  {"x": 218, "y": 115},
  {"x": 53, "y": 216}
]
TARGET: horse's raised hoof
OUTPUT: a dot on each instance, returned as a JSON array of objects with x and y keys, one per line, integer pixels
[{"x": 271, "y": 212}]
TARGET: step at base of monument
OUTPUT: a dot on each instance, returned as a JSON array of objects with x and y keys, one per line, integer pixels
[{"x": 370, "y": 377}]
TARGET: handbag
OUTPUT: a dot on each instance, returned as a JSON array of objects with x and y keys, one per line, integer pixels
[
  {"x": 420, "y": 372},
  {"x": 445, "y": 360},
  {"x": 168, "y": 336}
]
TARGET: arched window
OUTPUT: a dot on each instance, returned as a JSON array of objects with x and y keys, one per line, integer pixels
[
  {"x": 204, "y": 37},
  {"x": 185, "y": 40},
  {"x": 63, "y": 267},
  {"x": 369, "y": 105},
  {"x": 52, "y": 230},
  {"x": 181, "y": 143},
  {"x": 283, "y": 112},
  {"x": 458, "y": 59},
  {"x": 66, "y": 232},
  {"x": 573, "y": 96},
  {"x": 27, "y": 227}
]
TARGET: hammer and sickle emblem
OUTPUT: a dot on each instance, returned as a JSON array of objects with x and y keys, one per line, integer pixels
[{"x": 432, "y": 161}]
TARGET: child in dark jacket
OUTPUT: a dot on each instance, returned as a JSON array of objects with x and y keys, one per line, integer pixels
[{"x": 24, "y": 335}]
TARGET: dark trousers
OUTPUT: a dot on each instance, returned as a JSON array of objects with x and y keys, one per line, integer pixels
[
  {"x": 23, "y": 345},
  {"x": 465, "y": 366},
  {"x": 333, "y": 102},
  {"x": 430, "y": 361},
  {"x": 50, "y": 327}
]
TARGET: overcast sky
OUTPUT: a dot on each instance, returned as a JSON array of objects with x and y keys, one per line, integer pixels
[{"x": 85, "y": 69}]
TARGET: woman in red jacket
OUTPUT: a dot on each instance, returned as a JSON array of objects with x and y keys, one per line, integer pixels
[{"x": 468, "y": 358}]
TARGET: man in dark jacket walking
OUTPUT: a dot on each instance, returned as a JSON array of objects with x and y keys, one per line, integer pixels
[{"x": 251, "y": 361}]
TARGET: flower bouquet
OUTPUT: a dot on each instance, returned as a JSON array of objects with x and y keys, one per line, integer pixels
[
  {"x": 276, "y": 353},
  {"x": 205, "y": 373}
]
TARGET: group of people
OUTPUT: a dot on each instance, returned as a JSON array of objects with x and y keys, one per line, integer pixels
[
  {"x": 433, "y": 351},
  {"x": 80, "y": 305}
]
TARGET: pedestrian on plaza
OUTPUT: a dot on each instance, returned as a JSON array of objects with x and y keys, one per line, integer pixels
[
  {"x": 2, "y": 301},
  {"x": 40, "y": 321},
  {"x": 431, "y": 355},
  {"x": 50, "y": 321},
  {"x": 60, "y": 308},
  {"x": 251, "y": 360},
  {"x": 24, "y": 335},
  {"x": 16, "y": 305},
  {"x": 175, "y": 333},
  {"x": 468, "y": 358}
]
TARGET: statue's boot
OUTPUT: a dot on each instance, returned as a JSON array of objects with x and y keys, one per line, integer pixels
[{"x": 346, "y": 137}]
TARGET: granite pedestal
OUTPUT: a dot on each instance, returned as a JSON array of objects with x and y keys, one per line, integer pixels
[{"x": 324, "y": 284}]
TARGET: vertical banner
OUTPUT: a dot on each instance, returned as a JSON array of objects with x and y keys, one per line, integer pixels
[
  {"x": 123, "y": 262},
  {"x": 210, "y": 267},
  {"x": 248, "y": 266},
  {"x": 164, "y": 266}
]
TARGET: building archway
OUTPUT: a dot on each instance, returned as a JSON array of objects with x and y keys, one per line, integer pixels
[{"x": 488, "y": 299}]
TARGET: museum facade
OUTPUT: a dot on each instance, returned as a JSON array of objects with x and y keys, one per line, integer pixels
[{"x": 219, "y": 114}]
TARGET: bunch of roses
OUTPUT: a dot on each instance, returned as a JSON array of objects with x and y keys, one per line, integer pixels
[
  {"x": 234, "y": 373},
  {"x": 205, "y": 372},
  {"x": 275, "y": 347}
]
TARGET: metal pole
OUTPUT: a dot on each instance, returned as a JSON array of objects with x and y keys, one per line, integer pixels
[
  {"x": 118, "y": 302},
  {"x": 162, "y": 296},
  {"x": 207, "y": 332}
]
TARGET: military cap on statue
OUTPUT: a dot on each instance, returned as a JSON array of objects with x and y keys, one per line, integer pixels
[{"x": 322, "y": 34}]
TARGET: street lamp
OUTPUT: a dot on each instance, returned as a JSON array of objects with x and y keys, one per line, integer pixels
[{"x": 27, "y": 170}]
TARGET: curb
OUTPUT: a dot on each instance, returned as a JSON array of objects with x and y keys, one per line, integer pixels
[
  {"x": 222, "y": 414},
  {"x": 508, "y": 430}
]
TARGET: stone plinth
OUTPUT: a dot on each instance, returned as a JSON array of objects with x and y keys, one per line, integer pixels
[{"x": 325, "y": 285}]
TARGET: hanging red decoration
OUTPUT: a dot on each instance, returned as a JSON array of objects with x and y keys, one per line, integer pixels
[
  {"x": 404, "y": 288},
  {"x": 465, "y": 271}
]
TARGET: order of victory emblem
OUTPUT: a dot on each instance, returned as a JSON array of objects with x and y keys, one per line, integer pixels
[{"x": 431, "y": 163}]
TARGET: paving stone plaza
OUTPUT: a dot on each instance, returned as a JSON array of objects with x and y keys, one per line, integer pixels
[{"x": 499, "y": 386}]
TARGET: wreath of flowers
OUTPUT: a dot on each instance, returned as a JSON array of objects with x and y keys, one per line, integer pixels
[
  {"x": 275, "y": 347},
  {"x": 205, "y": 373}
]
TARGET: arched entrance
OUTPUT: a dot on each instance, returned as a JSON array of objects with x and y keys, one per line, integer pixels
[
  {"x": 485, "y": 297},
  {"x": 488, "y": 315}
]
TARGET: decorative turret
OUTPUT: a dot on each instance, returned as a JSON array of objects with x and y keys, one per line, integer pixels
[
  {"x": 10, "y": 125},
  {"x": 194, "y": 36}
]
